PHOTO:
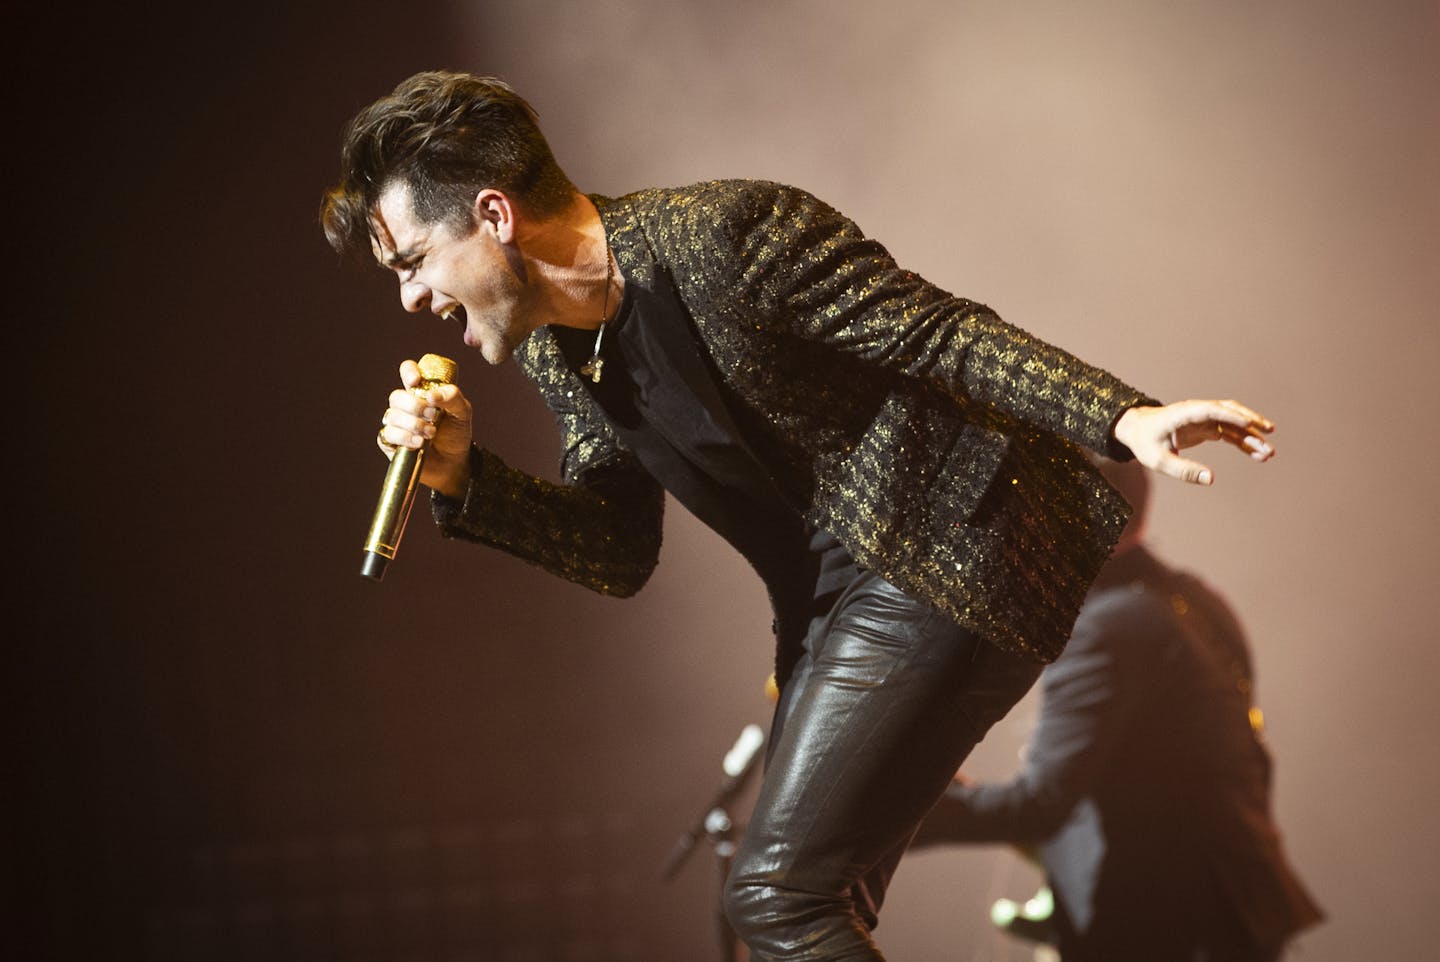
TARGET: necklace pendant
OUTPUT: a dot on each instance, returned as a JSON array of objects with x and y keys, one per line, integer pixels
[{"x": 595, "y": 367}]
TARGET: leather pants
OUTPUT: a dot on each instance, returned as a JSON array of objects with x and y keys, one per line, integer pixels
[{"x": 888, "y": 700}]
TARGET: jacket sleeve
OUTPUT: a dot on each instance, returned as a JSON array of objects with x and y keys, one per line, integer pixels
[
  {"x": 599, "y": 528},
  {"x": 1089, "y": 696},
  {"x": 804, "y": 266}
]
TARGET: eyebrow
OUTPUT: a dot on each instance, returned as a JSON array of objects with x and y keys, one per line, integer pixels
[{"x": 397, "y": 259}]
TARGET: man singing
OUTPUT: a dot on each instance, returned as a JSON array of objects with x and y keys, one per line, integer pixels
[{"x": 902, "y": 468}]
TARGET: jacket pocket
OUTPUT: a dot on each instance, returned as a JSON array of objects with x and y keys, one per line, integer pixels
[
  {"x": 971, "y": 467},
  {"x": 918, "y": 462}
]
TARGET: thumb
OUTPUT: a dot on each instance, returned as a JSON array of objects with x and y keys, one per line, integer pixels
[
  {"x": 447, "y": 397},
  {"x": 1183, "y": 469}
]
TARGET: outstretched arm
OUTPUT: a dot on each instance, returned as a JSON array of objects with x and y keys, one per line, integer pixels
[
  {"x": 1157, "y": 435},
  {"x": 839, "y": 287}
]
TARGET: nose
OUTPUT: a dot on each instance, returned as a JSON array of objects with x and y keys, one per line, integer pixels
[{"x": 414, "y": 296}]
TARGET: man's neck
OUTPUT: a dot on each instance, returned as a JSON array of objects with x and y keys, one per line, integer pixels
[{"x": 569, "y": 260}]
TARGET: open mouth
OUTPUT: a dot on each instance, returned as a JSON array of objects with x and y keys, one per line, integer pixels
[{"x": 456, "y": 314}]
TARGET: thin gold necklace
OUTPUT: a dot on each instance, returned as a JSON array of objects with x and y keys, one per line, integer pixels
[{"x": 595, "y": 367}]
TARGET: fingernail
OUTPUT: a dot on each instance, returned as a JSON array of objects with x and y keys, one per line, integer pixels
[{"x": 1203, "y": 477}]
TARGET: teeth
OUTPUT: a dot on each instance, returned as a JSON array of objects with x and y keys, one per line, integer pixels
[{"x": 447, "y": 315}]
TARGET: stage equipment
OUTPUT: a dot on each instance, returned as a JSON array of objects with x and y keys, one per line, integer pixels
[{"x": 716, "y": 824}]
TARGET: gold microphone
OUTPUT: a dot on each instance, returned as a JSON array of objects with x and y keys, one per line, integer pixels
[{"x": 401, "y": 481}]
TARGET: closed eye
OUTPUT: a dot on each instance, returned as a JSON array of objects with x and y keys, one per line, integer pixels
[
  {"x": 409, "y": 267},
  {"x": 405, "y": 265}
]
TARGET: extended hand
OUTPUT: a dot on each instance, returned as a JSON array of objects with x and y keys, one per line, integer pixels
[
  {"x": 1157, "y": 435},
  {"x": 440, "y": 417}
]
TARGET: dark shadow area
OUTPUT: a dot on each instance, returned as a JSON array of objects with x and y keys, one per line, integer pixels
[{"x": 226, "y": 745}]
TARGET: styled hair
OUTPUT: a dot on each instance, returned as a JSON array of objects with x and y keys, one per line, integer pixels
[{"x": 446, "y": 136}]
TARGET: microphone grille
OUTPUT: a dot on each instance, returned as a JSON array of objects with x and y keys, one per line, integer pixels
[{"x": 438, "y": 370}]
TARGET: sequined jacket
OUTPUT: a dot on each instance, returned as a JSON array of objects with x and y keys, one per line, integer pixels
[{"x": 935, "y": 441}]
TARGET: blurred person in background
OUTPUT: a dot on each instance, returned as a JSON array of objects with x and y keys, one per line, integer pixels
[{"x": 1145, "y": 791}]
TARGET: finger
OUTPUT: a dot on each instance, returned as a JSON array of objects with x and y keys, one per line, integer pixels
[
  {"x": 1195, "y": 422},
  {"x": 1248, "y": 440},
  {"x": 404, "y": 429},
  {"x": 409, "y": 373},
  {"x": 1255, "y": 446},
  {"x": 1252, "y": 418},
  {"x": 392, "y": 435},
  {"x": 1258, "y": 448},
  {"x": 1200, "y": 412},
  {"x": 409, "y": 402},
  {"x": 385, "y": 446}
]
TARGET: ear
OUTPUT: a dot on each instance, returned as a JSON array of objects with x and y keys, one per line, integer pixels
[{"x": 493, "y": 208}]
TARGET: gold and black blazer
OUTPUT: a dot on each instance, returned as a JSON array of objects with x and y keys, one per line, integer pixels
[{"x": 938, "y": 443}]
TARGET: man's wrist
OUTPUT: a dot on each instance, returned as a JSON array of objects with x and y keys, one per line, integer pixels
[
  {"x": 1119, "y": 449},
  {"x": 453, "y": 483}
]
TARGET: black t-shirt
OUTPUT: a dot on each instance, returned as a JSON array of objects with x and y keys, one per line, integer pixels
[{"x": 658, "y": 390}]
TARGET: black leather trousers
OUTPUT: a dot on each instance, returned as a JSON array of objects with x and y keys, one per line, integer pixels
[{"x": 889, "y": 698}]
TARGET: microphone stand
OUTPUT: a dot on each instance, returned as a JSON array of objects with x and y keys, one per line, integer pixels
[
  {"x": 716, "y": 824},
  {"x": 721, "y": 831}
]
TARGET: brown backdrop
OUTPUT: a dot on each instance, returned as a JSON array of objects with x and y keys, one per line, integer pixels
[{"x": 229, "y": 746}]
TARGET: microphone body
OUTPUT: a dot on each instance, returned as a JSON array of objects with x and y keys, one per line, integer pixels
[{"x": 402, "y": 480}]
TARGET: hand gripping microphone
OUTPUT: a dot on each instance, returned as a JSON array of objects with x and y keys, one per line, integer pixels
[{"x": 401, "y": 481}]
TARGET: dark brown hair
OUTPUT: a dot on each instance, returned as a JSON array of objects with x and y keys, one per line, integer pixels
[{"x": 445, "y": 136}]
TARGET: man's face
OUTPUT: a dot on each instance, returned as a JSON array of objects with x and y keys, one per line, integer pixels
[{"x": 470, "y": 276}]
